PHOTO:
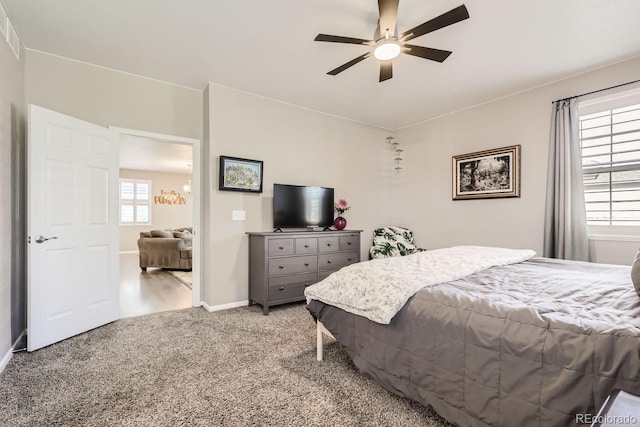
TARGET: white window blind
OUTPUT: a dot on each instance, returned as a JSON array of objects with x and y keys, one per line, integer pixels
[
  {"x": 610, "y": 141},
  {"x": 135, "y": 208}
]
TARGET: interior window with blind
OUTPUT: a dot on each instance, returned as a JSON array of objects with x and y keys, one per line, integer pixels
[
  {"x": 135, "y": 207},
  {"x": 610, "y": 140}
]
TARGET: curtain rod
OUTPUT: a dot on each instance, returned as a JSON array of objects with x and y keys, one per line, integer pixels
[{"x": 599, "y": 90}]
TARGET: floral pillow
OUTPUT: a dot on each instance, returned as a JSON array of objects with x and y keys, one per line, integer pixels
[{"x": 392, "y": 241}]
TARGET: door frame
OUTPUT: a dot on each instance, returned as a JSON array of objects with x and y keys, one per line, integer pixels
[{"x": 196, "y": 191}]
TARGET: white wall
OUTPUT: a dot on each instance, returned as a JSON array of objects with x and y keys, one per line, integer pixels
[
  {"x": 111, "y": 98},
  {"x": 298, "y": 146},
  {"x": 425, "y": 204},
  {"x": 162, "y": 216},
  {"x": 12, "y": 190}
]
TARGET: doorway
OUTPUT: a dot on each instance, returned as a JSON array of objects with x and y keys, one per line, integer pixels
[{"x": 173, "y": 168}]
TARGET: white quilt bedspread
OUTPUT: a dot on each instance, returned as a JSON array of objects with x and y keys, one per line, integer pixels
[{"x": 379, "y": 288}]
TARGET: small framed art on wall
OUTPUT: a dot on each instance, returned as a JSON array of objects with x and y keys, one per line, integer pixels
[{"x": 238, "y": 174}]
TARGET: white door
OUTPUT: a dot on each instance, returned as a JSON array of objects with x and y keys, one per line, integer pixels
[{"x": 72, "y": 227}]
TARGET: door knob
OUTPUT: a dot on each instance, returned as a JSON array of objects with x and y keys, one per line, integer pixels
[{"x": 41, "y": 239}]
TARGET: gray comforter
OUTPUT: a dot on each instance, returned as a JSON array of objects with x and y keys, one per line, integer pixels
[{"x": 529, "y": 344}]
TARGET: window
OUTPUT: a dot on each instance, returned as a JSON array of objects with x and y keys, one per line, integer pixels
[
  {"x": 135, "y": 207},
  {"x": 609, "y": 130}
]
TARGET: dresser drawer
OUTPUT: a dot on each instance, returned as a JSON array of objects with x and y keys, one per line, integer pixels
[
  {"x": 279, "y": 247},
  {"x": 337, "y": 260},
  {"x": 349, "y": 243},
  {"x": 289, "y": 287},
  {"x": 299, "y": 264},
  {"x": 328, "y": 244},
  {"x": 306, "y": 246}
]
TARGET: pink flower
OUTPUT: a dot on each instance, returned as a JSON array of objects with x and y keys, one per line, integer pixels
[{"x": 342, "y": 206}]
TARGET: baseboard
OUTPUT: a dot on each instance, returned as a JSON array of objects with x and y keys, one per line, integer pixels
[
  {"x": 7, "y": 357},
  {"x": 225, "y": 306},
  {"x": 5, "y": 360},
  {"x": 128, "y": 252}
]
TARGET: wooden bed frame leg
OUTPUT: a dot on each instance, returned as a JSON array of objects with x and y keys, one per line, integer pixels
[{"x": 321, "y": 330}]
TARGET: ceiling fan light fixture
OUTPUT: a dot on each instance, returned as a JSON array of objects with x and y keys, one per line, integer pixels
[
  {"x": 388, "y": 43},
  {"x": 387, "y": 50}
]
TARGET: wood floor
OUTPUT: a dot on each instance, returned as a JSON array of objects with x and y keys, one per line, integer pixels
[{"x": 149, "y": 292}]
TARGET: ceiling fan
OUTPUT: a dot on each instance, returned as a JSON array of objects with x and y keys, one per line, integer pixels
[{"x": 388, "y": 44}]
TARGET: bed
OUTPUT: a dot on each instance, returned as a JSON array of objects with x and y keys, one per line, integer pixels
[{"x": 522, "y": 342}]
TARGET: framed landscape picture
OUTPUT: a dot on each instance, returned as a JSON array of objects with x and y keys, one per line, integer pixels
[
  {"x": 238, "y": 174},
  {"x": 487, "y": 174}
]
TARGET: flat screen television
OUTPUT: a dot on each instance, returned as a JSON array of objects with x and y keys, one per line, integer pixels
[{"x": 299, "y": 206}]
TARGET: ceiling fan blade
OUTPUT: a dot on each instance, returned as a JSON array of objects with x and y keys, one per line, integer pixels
[
  {"x": 349, "y": 64},
  {"x": 458, "y": 14},
  {"x": 388, "y": 10},
  {"x": 340, "y": 39},
  {"x": 427, "y": 52},
  {"x": 386, "y": 70}
]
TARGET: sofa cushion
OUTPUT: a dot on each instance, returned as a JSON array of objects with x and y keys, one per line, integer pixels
[
  {"x": 186, "y": 237},
  {"x": 161, "y": 233}
]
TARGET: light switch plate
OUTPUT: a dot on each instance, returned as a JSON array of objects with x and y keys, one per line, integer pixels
[{"x": 238, "y": 215}]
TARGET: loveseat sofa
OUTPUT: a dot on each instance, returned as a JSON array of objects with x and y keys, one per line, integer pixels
[{"x": 170, "y": 249}]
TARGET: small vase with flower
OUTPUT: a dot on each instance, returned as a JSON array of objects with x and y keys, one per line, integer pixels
[{"x": 341, "y": 207}]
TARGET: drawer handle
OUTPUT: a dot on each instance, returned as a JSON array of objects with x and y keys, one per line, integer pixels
[
  {"x": 281, "y": 267},
  {"x": 281, "y": 288},
  {"x": 306, "y": 246},
  {"x": 328, "y": 261},
  {"x": 328, "y": 244},
  {"x": 281, "y": 247},
  {"x": 349, "y": 259},
  {"x": 348, "y": 243},
  {"x": 306, "y": 264}
]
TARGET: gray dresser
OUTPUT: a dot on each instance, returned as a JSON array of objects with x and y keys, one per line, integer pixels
[{"x": 281, "y": 265}]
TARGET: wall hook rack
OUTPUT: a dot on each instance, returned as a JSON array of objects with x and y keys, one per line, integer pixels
[{"x": 395, "y": 146}]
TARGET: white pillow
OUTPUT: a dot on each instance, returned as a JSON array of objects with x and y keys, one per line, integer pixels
[{"x": 635, "y": 273}]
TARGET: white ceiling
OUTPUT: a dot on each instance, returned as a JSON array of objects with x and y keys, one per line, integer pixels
[
  {"x": 154, "y": 155},
  {"x": 267, "y": 47}
]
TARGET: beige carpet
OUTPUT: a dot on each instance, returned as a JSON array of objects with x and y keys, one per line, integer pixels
[
  {"x": 195, "y": 368},
  {"x": 184, "y": 277}
]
